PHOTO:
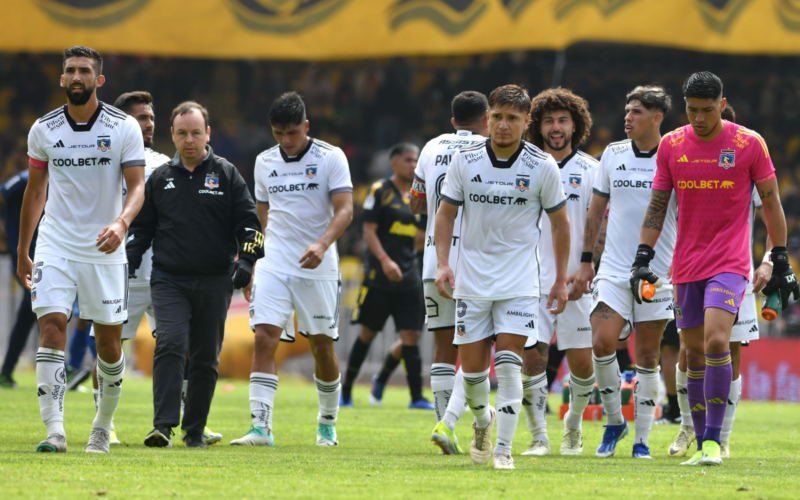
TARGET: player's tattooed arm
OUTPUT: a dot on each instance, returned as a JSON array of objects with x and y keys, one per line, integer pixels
[
  {"x": 657, "y": 210},
  {"x": 594, "y": 220},
  {"x": 418, "y": 205},
  {"x": 600, "y": 246}
]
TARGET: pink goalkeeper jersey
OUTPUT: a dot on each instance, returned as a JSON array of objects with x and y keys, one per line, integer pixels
[{"x": 713, "y": 182}]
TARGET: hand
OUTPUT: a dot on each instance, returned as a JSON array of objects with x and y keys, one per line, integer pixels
[
  {"x": 392, "y": 270},
  {"x": 313, "y": 256},
  {"x": 25, "y": 270},
  {"x": 242, "y": 274},
  {"x": 575, "y": 293},
  {"x": 111, "y": 237},
  {"x": 249, "y": 288},
  {"x": 133, "y": 264},
  {"x": 783, "y": 279},
  {"x": 445, "y": 278},
  {"x": 559, "y": 294},
  {"x": 583, "y": 278},
  {"x": 640, "y": 271},
  {"x": 761, "y": 276}
]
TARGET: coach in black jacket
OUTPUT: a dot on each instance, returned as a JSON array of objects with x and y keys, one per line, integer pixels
[{"x": 198, "y": 214}]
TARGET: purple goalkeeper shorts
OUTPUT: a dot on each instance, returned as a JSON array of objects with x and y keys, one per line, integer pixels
[{"x": 723, "y": 291}]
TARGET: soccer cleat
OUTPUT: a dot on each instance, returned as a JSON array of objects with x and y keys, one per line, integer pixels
[
  {"x": 376, "y": 392},
  {"x": 480, "y": 448},
  {"x": 98, "y": 441},
  {"x": 326, "y": 435},
  {"x": 538, "y": 448},
  {"x": 7, "y": 382},
  {"x": 445, "y": 439},
  {"x": 420, "y": 404},
  {"x": 159, "y": 438},
  {"x": 209, "y": 436},
  {"x": 195, "y": 441},
  {"x": 641, "y": 450},
  {"x": 502, "y": 461},
  {"x": 55, "y": 443},
  {"x": 612, "y": 436},
  {"x": 77, "y": 377},
  {"x": 572, "y": 443},
  {"x": 345, "y": 402},
  {"x": 724, "y": 449},
  {"x": 256, "y": 436},
  {"x": 711, "y": 453},
  {"x": 695, "y": 460},
  {"x": 683, "y": 440},
  {"x": 112, "y": 437}
]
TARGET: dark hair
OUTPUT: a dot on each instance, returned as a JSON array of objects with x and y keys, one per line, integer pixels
[
  {"x": 729, "y": 113},
  {"x": 468, "y": 107},
  {"x": 81, "y": 51},
  {"x": 703, "y": 85},
  {"x": 560, "y": 99},
  {"x": 652, "y": 97},
  {"x": 288, "y": 109},
  {"x": 186, "y": 107},
  {"x": 402, "y": 148},
  {"x": 127, "y": 100},
  {"x": 512, "y": 96}
]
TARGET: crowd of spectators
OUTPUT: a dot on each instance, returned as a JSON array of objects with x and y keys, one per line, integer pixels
[{"x": 366, "y": 106}]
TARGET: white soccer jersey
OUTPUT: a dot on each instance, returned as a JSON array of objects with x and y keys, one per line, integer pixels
[
  {"x": 578, "y": 171},
  {"x": 753, "y": 206},
  {"x": 154, "y": 160},
  {"x": 85, "y": 163},
  {"x": 626, "y": 176},
  {"x": 502, "y": 205},
  {"x": 298, "y": 190},
  {"x": 434, "y": 159}
]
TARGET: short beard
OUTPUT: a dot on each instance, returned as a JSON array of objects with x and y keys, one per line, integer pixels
[
  {"x": 567, "y": 141},
  {"x": 82, "y": 98},
  {"x": 148, "y": 143}
]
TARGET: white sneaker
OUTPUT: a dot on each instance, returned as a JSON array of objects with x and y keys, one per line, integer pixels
[
  {"x": 683, "y": 440},
  {"x": 98, "y": 441},
  {"x": 256, "y": 436},
  {"x": 481, "y": 447},
  {"x": 572, "y": 442},
  {"x": 502, "y": 461},
  {"x": 538, "y": 448},
  {"x": 113, "y": 437},
  {"x": 55, "y": 443},
  {"x": 326, "y": 435},
  {"x": 724, "y": 450}
]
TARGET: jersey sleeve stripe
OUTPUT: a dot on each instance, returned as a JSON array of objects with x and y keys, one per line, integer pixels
[
  {"x": 600, "y": 193},
  {"x": 133, "y": 163},
  {"x": 52, "y": 114},
  {"x": 40, "y": 164},
  {"x": 767, "y": 178},
  {"x": 557, "y": 207},
  {"x": 452, "y": 201},
  {"x": 262, "y": 202},
  {"x": 759, "y": 139},
  {"x": 345, "y": 189}
]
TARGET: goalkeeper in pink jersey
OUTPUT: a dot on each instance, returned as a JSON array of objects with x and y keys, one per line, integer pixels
[{"x": 712, "y": 165}]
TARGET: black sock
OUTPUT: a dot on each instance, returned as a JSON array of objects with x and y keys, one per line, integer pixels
[
  {"x": 389, "y": 365},
  {"x": 413, "y": 366},
  {"x": 625, "y": 361},
  {"x": 553, "y": 363},
  {"x": 357, "y": 356},
  {"x": 673, "y": 410}
]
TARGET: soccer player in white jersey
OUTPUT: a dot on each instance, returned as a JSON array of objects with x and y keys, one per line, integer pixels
[
  {"x": 472, "y": 127},
  {"x": 623, "y": 182},
  {"x": 84, "y": 147},
  {"x": 560, "y": 122},
  {"x": 502, "y": 186},
  {"x": 304, "y": 198}
]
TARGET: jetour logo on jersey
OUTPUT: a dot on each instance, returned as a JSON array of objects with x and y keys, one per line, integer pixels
[
  {"x": 104, "y": 143},
  {"x": 727, "y": 158}
]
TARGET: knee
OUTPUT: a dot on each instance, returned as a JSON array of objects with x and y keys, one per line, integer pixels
[
  {"x": 51, "y": 332},
  {"x": 716, "y": 342},
  {"x": 367, "y": 336},
  {"x": 323, "y": 351},
  {"x": 647, "y": 359},
  {"x": 409, "y": 337},
  {"x": 601, "y": 347},
  {"x": 265, "y": 344}
]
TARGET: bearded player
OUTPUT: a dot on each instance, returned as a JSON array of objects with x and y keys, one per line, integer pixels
[{"x": 712, "y": 164}]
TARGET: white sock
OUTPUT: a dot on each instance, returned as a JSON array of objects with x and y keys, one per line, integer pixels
[
  {"x": 730, "y": 410},
  {"x": 443, "y": 377},
  {"x": 109, "y": 382},
  {"x": 580, "y": 390},
  {"x": 508, "y": 401},
  {"x": 51, "y": 381},
  {"x": 645, "y": 397},
  {"x": 476, "y": 392},
  {"x": 609, "y": 381},
  {"x": 328, "y": 394},
  {"x": 681, "y": 379},
  {"x": 534, "y": 403},
  {"x": 457, "y": 404},
  {"x": 183, "y": 395},
  {"x": 96, "y": 394},
  {"x": 263, "y": 387}
]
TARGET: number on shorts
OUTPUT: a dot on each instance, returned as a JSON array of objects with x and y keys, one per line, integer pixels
[{"x": 37, "y": 272}]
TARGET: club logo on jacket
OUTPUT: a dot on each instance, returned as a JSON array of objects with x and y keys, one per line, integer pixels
[{"x": 212, "y": 181}]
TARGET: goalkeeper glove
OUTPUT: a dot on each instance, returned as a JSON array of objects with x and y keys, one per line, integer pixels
[
  {"x": 641, "y": 272},
  {"x": 783, "y": 279},
  {"x": 242, "y": 272}
]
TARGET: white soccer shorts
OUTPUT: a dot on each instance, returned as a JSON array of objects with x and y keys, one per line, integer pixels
[
  {"x": 440, "y": 312},
  {"x": 477, "y": 320},
  {"x": 617, "y": 296},
  {"x": 102, "y": 290},
  {"x": 746, "y": 329},
  {"x": 275, "y": 296},
  {"x": 140, "y": 304},
  {"x": 573, "y": 326}
]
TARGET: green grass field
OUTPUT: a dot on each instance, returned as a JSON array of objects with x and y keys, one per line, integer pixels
[{"x": 383, "y": 453}]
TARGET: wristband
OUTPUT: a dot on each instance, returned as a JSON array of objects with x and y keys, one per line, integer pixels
[
  {"x": 766, "y": 259},
  {"x": 383, "y": 257},
  {"x": 586, "y": 257},
  {"x": 123, "y": 223}
]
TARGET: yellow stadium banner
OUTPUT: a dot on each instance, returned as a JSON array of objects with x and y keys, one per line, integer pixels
[{"x": 349, "y": 29}]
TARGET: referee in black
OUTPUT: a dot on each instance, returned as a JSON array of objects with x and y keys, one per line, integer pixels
[
  {"x": 198, "y": 214},
  {"x": 392, "y": 281}
]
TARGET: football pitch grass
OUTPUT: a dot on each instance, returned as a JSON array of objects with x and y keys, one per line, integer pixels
[{"x": 383, "y": 453}]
